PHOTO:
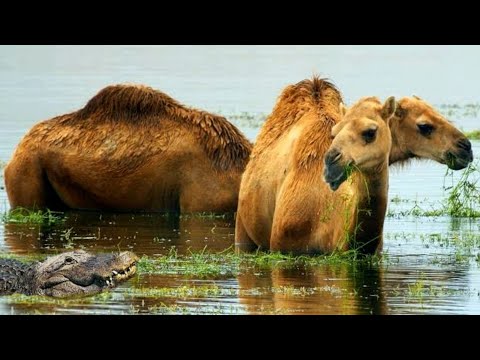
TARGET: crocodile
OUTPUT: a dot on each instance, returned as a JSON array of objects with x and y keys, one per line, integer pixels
[{"x": 74, "y": 273}]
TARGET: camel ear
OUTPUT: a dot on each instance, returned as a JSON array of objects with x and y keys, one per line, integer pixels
[
  {"x": 343, "y": 109},
  {"x": 416, "y": 97},
  {"x": 400, "y": 112},
  {"x": 336, "y": 128},
  {"x": 388, "y": 108}
]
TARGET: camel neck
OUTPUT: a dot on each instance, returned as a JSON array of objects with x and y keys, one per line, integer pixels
[
  {"x": 398, "y": 152},
  {"x": 371, "y": 203}
]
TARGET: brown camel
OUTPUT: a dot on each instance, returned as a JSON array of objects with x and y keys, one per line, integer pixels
[
  {"x": 308, "y": 217},
  {"x": 419, "y": 131},
  {"x": 130, "y": 148},
  {"x": 293, "y": 141}
]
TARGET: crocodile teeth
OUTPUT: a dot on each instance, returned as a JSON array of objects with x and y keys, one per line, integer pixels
[
  {"x": 114, "y": 272},
  {"x": 108, "y": 283}
]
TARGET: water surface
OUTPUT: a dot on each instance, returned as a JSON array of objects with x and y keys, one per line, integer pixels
[{"x": 431, "y": 263}]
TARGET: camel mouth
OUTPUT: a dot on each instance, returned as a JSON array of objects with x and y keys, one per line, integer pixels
[
  {"x": 459, "y": 160},
  {"x": 335, "y": 175}
]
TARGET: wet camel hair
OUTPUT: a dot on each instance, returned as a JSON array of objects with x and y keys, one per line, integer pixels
[{"x": 130, "y": 148}]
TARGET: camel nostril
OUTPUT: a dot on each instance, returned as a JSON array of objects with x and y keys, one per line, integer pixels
[
  {"x": 464, "y": 144},
  {"x": 332, "y": 157}
]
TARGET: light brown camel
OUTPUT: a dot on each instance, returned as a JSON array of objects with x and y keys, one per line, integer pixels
[
  {"x": 419, "y": 131},
  {"x": 294, "y": 138},
  {"x": 130, "y": 148},
  {"x": 308, "y": 217}
]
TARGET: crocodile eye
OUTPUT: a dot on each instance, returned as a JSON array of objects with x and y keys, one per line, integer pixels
[
  {"x": 70, "y": 260},
  {"x": 425, "y": 129}
]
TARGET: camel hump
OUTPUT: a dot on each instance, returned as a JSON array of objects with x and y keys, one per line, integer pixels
[
  {"x": 315, "y": 96},
  {"x": 144, "y": 106},
  {"x": 311, "y": 89},
  {"x": 125, "y": 102}
]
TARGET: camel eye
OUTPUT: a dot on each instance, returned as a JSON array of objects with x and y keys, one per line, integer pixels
[
  {"x": 369, "y": 135},
  {"x": 425, "y": 129}
]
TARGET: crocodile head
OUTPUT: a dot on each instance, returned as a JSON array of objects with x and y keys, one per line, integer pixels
[{"x": 79, "y": 273}]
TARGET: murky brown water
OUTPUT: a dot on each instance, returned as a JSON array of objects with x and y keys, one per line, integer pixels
[
  {"x": 421, "y": 274},
  {"x": 431, "y": 264}
]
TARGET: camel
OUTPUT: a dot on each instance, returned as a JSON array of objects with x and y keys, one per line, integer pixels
[
  {"x": 308, "y": 217},
  {"x": 291, "y": 146},
  {"x": 421, "y": 132},
  {"x": 130, "y": 148}
]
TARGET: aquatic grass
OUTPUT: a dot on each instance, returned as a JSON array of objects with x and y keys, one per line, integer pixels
[
  {"x": 196, "y": 215},
  {"x": 229, "y": 264},
  {"x": 473, "y": 135},
  {"x": 466, "y": 240},
  {"x": 181, "y": 292},
  {"x": 397, "y": 200},
  {"x": 463, "y": 198},
  {"x": 201, "y": 265},
  {"x": 302, "y": 291},
  {"x": 206, "y": 215},
  {"x": 23, "y": 258},
  {"x": 416, "y": 289},
  {"x": 421, "y": 289},
  {"x": 210, "y": 309},
  {"x": 27, "y": 216},
  {"x": 35, "y": 299},
  {"x": 22, "y": 299},
  {"x": 417, "y": 211}
]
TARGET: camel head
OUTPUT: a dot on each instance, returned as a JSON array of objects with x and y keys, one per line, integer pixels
[
  {"x": 361, "y": 140},
  {"x": 419, "y": 131}
]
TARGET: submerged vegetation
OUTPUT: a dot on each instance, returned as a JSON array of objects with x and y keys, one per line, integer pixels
[
  {"x": 228, "y": 263},
  {"x": 462, "y": 197},
  {"x": 26, "y": 216}
]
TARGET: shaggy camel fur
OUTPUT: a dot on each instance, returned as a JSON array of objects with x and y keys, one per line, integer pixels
[
  {"x": 294, "y": 138},
  {"x": 130, "y": 148}
]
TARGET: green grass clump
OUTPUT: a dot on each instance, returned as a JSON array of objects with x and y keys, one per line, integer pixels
[
  {"x": 180, "y": 292},
  {"x": 463, "y": 198},
  {"x": 229, "y": 264},
  {"x": 473, "y": 135},
  {"x": 26, "y": 216},
  {"x": 22, "y": 258}
]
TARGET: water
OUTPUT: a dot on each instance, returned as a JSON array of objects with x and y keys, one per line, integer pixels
[{"x": 431, "y": 265}]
